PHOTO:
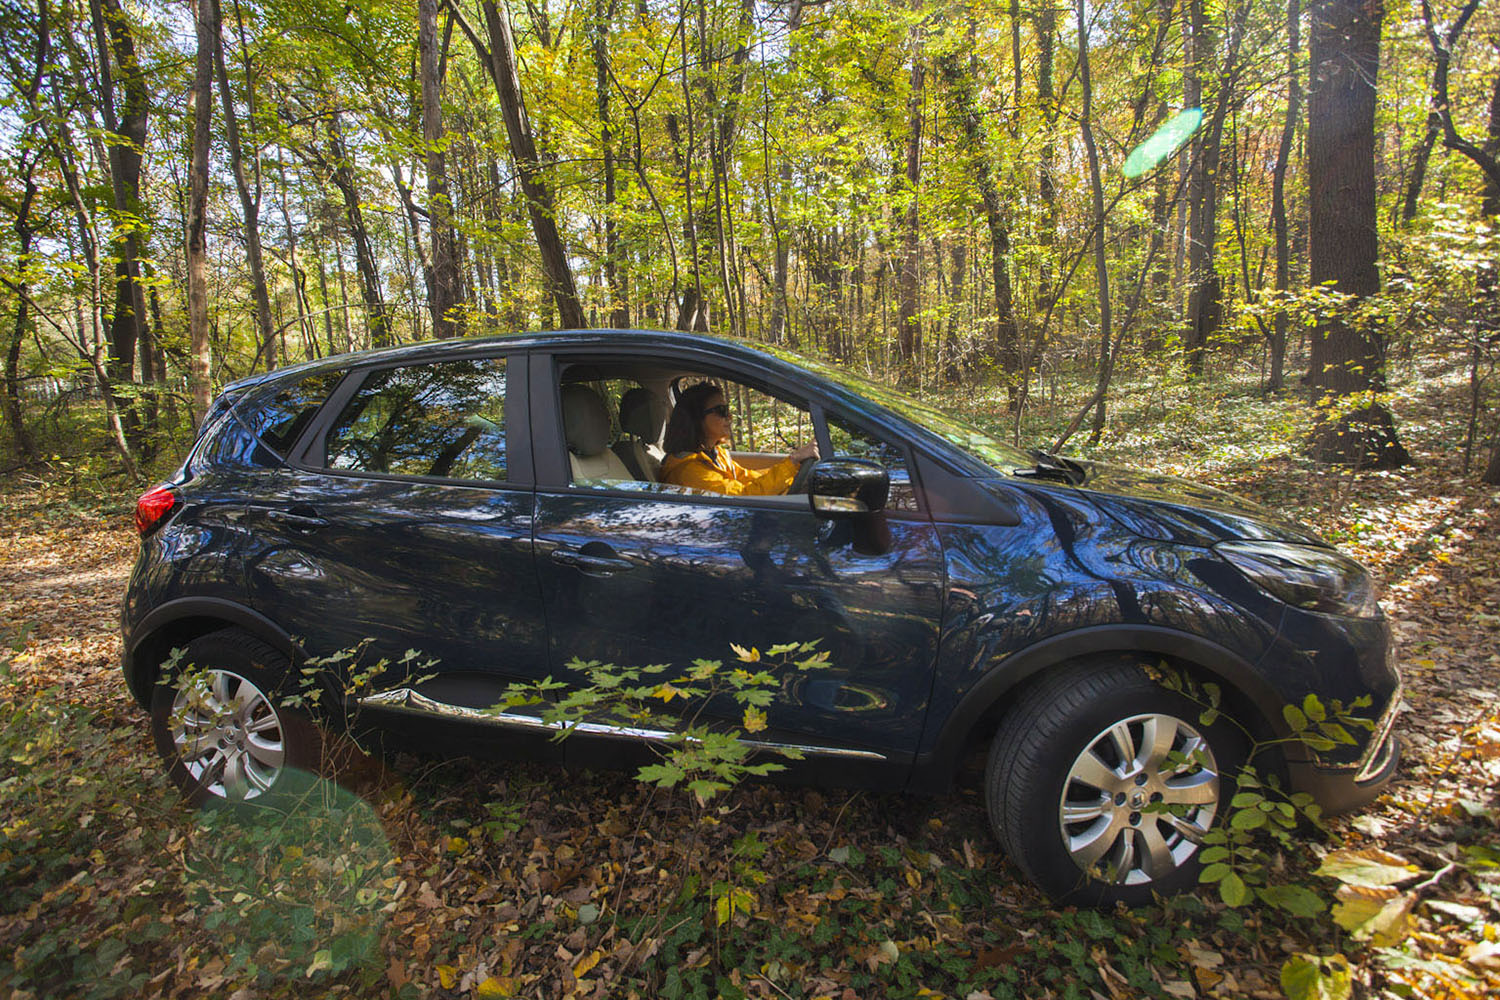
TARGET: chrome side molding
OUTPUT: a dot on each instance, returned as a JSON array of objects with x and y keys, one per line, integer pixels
[{"x": 405, "y": 699}]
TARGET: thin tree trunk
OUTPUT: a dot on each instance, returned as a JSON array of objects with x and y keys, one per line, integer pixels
[
  {"x": 1204, "y": 288},
  {"x": 116, "y": 53},
  {"x": 249, "y": 201},
  {"x": 1096, "y": 190},
  {"x": 1278, "y": 192},
  {"x": 614, "y": 275},
  {"x": 908, "y": 323},
  {"x": 343, "y": 177},
  {"x": 447, "y": 296},
  {"x": 961, "y": 81},
  {"x": 197, "y": 222},
  {"x": 500, "y": 59}
]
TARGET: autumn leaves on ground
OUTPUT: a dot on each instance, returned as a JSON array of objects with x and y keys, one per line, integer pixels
[{"x": 468, "y": 879}]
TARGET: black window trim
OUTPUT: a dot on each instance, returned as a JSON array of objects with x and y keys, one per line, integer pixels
[
  {"x": 549, "y": 365},
  {"x": 309, "y": 454}
]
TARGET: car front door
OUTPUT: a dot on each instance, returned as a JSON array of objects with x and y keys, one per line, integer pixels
[{"x": 634, "y": 574}]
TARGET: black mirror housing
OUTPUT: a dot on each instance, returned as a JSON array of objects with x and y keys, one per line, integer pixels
[{"x": 847, "y": 487}]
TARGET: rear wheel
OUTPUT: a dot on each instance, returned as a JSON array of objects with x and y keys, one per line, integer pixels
[
  {"x": 1101, "y": 784},
  {"x": 221, "y": 728}
]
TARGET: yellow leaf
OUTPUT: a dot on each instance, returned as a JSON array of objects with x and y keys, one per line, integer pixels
[
  {"x": 665, "y": 692},
  {"x": 751, "y": 655},
  {"x": 493, "y": 987},
  {"x": 755, "y": 719},
  {"x": 586, "y": 963},
  {"x": 457, "y": 845},
  {"x": 1381, "y": 915},
  {"x": 447, "y": 975}
]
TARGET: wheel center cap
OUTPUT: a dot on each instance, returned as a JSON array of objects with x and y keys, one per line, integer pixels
[{"x": 1138, "y": 800}]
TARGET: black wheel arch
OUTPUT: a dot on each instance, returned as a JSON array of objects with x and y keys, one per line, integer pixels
[
  {"x": 1247, "y": 694},
  {"x": 176, "y": 623}
]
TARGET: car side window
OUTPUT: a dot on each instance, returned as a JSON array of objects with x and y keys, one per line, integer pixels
[
  {"x": 850, "y": 441},
  {"x": 280, "y": 419},
  {"x": 444, "y": 420}
]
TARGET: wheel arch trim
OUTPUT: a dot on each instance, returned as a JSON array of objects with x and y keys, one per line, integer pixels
[
  {"x": 139, "y": 670},
  {"x": 934, "y": 767}
]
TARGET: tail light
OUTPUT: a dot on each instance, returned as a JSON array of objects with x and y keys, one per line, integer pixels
[{"x": 152, "y": 508}]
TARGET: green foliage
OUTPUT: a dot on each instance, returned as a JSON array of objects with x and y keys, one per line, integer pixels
[
  {"x": 1241, "y": 855},
  {"x": 700, "y": 751},
  {"x": 1313, "y": 977}
]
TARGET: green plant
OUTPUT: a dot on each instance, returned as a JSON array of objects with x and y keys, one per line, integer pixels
[
  {"x": 1239, "y": 854},
  {"x": 697, "y": 751}
]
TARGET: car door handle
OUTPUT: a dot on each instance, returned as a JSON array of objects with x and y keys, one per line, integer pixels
[
  {"x": 297, "y": 519},
  {"x": 592, "y": 563}
]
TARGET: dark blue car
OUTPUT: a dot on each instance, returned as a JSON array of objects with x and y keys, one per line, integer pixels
[{"x": 495, "y": 504}]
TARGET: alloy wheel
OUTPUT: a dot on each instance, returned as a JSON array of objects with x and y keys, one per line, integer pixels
[
  {"x": 227, "y": 735},
  {"x": 1139, "y": 798}
]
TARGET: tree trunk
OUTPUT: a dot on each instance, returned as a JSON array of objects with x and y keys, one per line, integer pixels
[
  {"x": 908, "y": 323},
  {"x": 1347, "y": 360},
  {"x": 343, "y": 178},
  {"x": 961, "y": 83},
  {"x": 26, "y": 449},
  {"x": 500, "y": 59},
  {"x": 1205, "y": 291},
  {"x": 197, "y": 222},
  {"x": 1096, "y": 190},
  {"x": 614, "y": 276},
  {"x": 116, "y": 53},
  {"x": 447, "y": 296},
  {"x": 249, "y": 202},
  {"x": 1278, "y": 192}
]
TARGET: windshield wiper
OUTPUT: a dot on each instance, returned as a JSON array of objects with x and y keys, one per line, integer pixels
[{"x": 1054, "y": 467}]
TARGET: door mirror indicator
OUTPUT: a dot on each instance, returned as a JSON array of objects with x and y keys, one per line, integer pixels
[{"x": 847, "y": 487}]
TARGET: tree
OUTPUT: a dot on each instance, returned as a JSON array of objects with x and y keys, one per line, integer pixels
[
  {"x": 499, "y": 58},
  {"x": 1346, "y": 369},
  {"x": 197, "y": 221},
  {"x": 447, "y": 290}
]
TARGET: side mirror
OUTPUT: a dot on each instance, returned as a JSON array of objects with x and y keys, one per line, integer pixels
[{"x": 847, "y": 487}]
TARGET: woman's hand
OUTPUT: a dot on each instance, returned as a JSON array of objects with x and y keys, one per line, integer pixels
[{"x": 802, "y": 454}]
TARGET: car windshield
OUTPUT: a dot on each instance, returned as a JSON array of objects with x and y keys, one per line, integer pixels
[{"x": 977, "y": 444}]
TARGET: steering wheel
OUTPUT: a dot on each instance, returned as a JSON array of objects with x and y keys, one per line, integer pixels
[{"x": 799, "y": 481}]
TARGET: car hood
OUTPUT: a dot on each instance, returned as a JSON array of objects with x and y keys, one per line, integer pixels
[{"x": 1173, "y": 509}]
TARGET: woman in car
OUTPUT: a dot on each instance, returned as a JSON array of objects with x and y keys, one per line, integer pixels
[{"x": 697, "y": 446}]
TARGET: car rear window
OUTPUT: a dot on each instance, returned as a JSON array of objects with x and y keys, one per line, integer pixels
[
  {"x": 278, "y": 420},
  {"x": 444, "y": 420}
]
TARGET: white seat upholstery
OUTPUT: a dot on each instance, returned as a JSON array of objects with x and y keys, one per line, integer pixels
[
  {"x": 643, "y": 417},
  {"x": 586, "y": 426}
]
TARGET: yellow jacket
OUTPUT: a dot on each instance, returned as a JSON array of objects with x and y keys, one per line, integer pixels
[{"x": 719, "y": 473}]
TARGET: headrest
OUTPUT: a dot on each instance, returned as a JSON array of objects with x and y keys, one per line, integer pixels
[
  {"x": 585, "y": 420},
  {"x": 644, "y": 414}
]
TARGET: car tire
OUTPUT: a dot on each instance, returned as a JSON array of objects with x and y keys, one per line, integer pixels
[
  {"x": 221, "y": 727},
  {"x": 1074, "y": 770}
]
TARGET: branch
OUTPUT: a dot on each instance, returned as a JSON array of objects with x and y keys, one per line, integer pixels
[{"x": 1441, "y": 112}]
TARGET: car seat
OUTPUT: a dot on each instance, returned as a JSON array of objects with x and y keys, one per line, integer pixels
[
  {"x": 586, "y": 427},
  {"x": 643, "y": 417}
]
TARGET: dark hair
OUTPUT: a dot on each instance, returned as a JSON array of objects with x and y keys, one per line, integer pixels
[{"x": 685, "y": 427}]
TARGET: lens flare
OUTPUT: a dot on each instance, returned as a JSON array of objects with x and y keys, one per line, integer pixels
[{"x": 1163, "y": 142}]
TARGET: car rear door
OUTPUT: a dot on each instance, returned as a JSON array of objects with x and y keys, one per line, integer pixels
[{"x": 403, "y": 523}]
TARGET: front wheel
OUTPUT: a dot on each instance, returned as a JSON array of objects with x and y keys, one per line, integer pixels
[
  {"x": 1101, "y": 784},
  {"x": 221, "y": 728}
]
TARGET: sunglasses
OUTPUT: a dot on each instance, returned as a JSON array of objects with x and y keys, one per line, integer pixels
[{"x": 722, "y": 410}]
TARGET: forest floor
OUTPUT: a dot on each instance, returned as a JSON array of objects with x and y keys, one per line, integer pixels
[{"x": 468, "y": 879}]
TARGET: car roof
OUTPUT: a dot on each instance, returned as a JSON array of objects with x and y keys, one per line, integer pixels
[{"x": 459, "y": 346}]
